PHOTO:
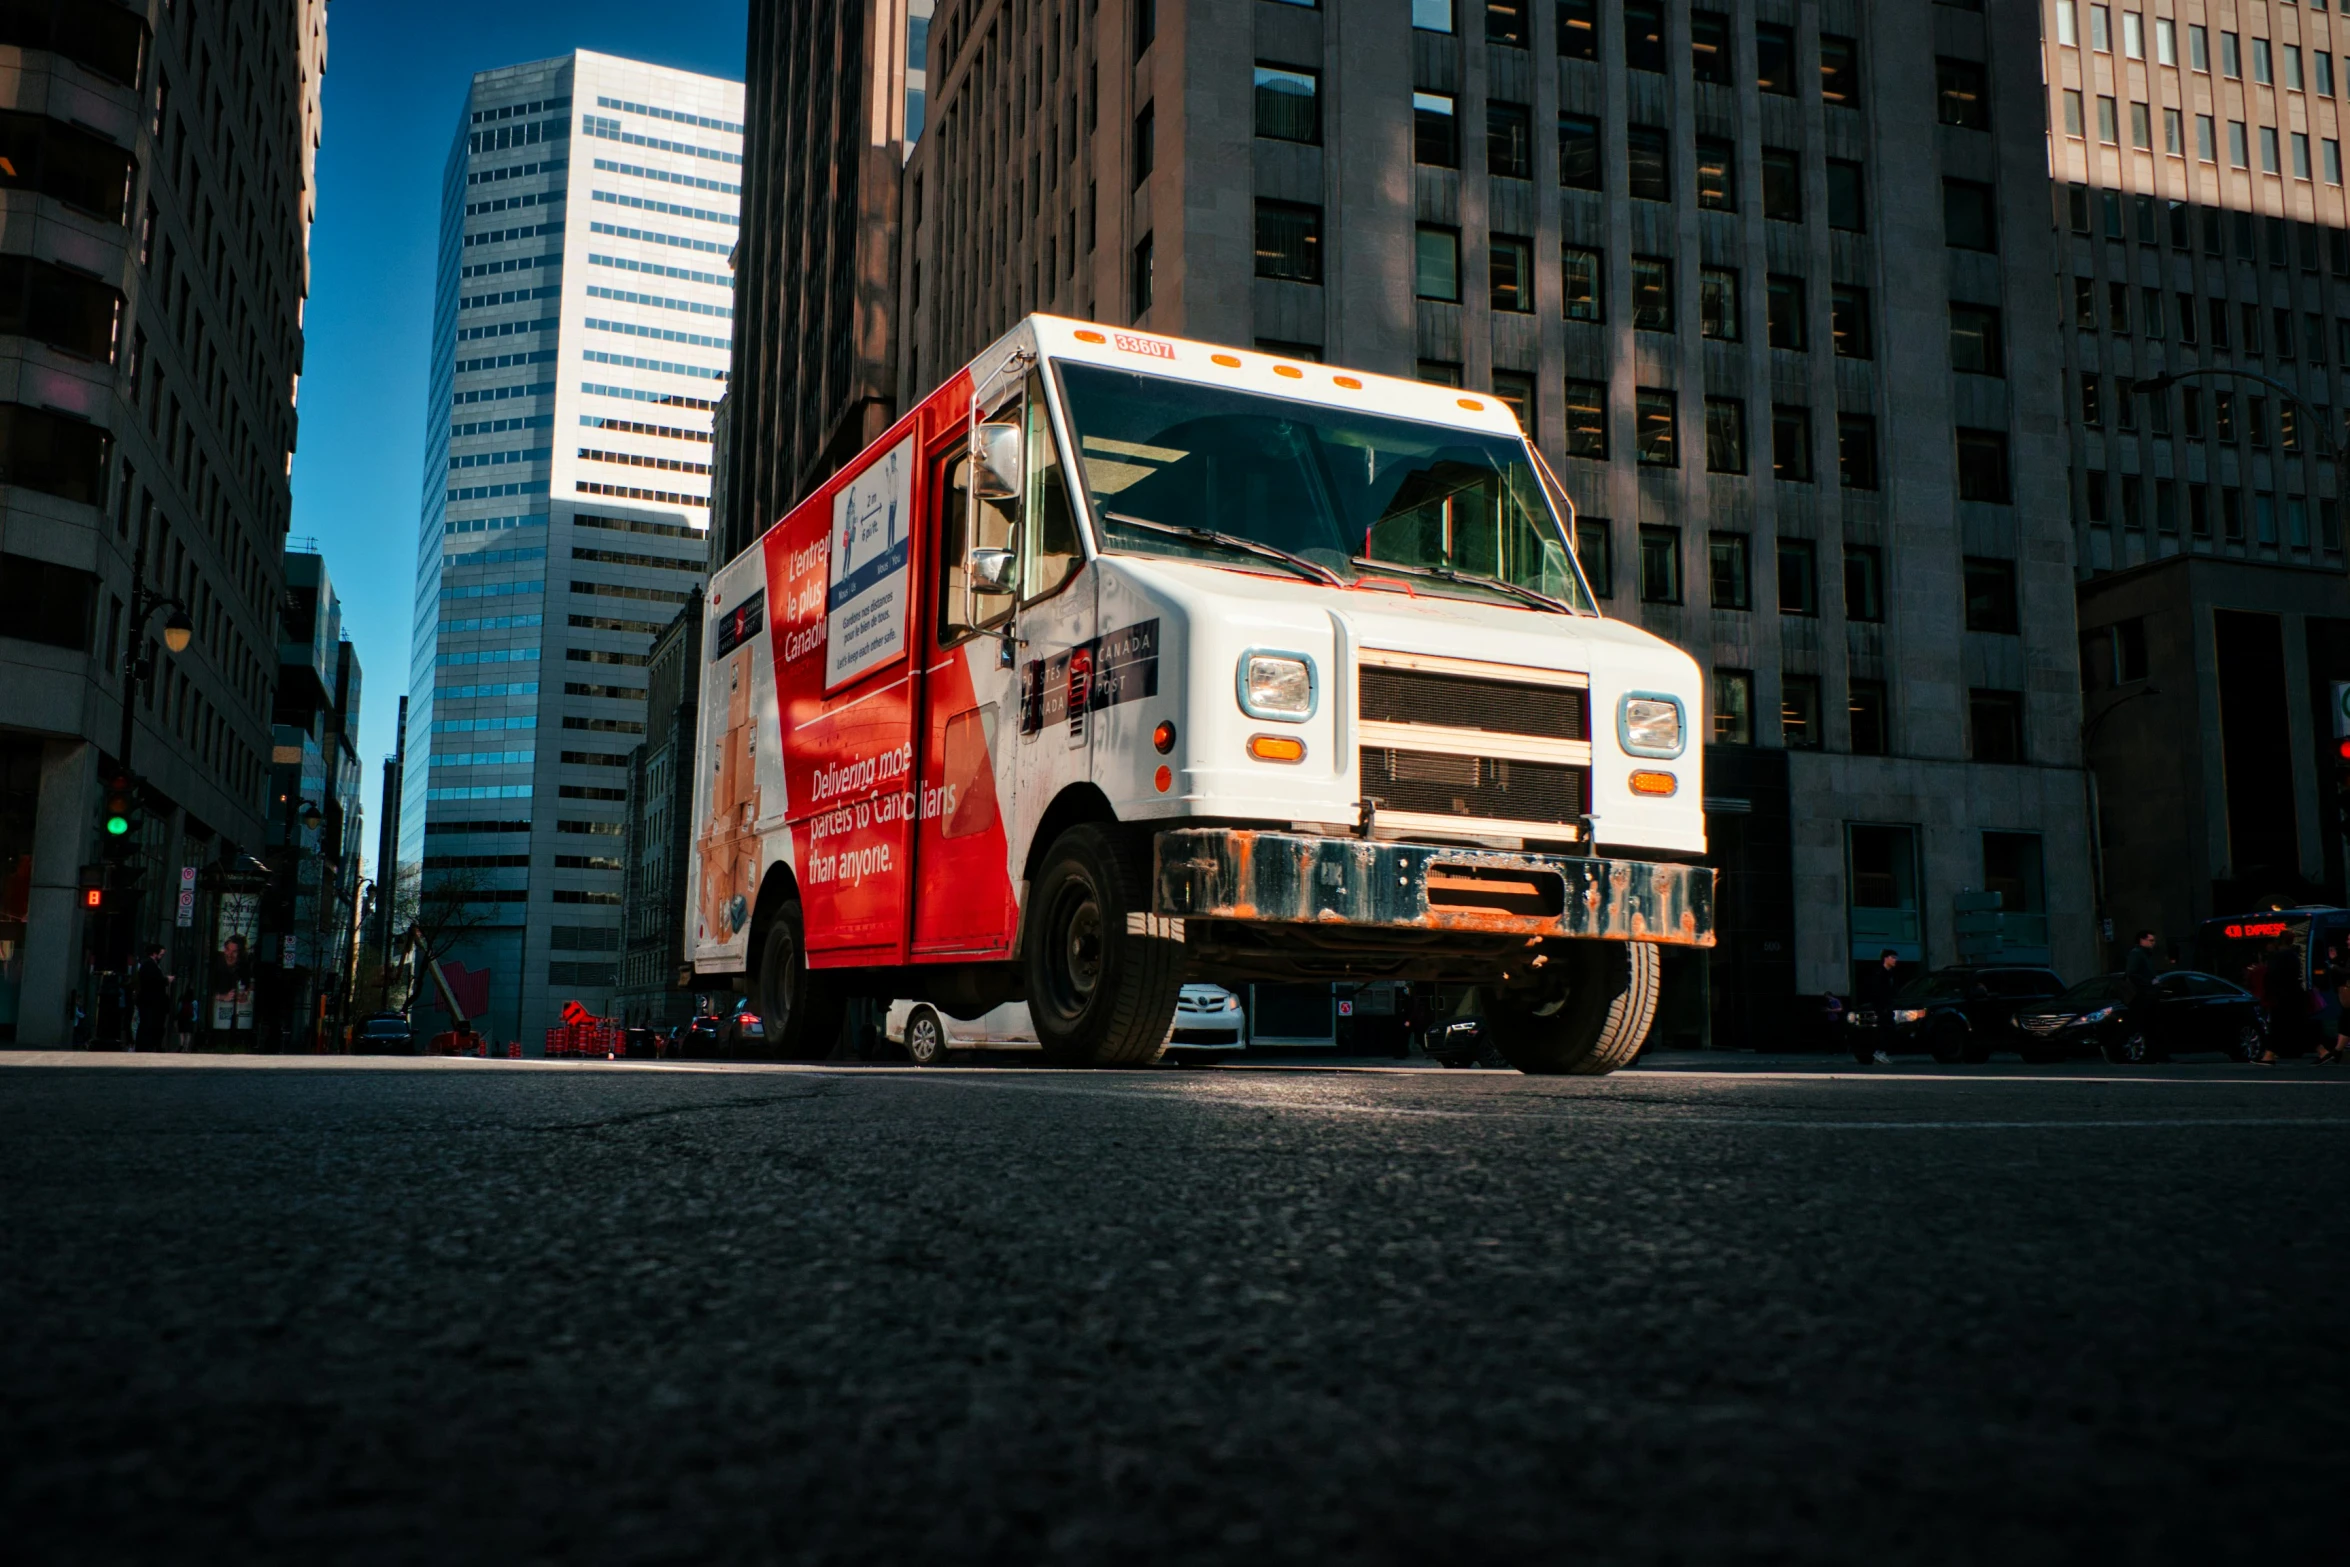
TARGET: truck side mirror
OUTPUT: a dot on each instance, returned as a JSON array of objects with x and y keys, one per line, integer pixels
[
  {"x": 995, "y": 462},
  {"x": 992, "y": 572}
]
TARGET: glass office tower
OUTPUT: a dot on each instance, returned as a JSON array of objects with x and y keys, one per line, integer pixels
[{"x": 581, "y": 327}]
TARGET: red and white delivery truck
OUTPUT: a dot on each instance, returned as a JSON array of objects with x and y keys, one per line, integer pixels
[{"x": 1122, "y": 660}]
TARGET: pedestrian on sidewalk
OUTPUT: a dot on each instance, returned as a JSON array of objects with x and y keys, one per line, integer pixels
[
  {"x": 1874, "y": 992},
  {"x": 2292, "y": 1013},
  {"x": 2139, "y": 972},
  {"x": 2326, "y": 987},
  {"x": 150, "y": 1000}
]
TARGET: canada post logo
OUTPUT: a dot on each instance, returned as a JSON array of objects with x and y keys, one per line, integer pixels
[
  {"x": 734, "y": 627},
  {"x": 1115, "y": 667}
]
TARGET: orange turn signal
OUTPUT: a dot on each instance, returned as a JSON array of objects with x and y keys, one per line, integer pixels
[
  {"x": 1655, "y": 783},
  {"x": 1277, "y": 748}
]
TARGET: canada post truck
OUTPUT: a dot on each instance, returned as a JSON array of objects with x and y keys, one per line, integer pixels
[{"x": 1122, "y": 660}]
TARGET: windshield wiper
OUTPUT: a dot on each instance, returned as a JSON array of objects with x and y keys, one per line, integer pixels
[
  {"x": 1539, "y": 600},
  {"x": 1297, "y": 563}
]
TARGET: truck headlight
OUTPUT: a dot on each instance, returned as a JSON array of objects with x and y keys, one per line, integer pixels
[
  {"x": 1909, "y": 1014},
  {"x": 1649, "y": 724},
  {"x": 1278, "y": 686}
]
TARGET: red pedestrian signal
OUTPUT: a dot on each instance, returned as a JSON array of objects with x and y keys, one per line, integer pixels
[{"x": 93, "y": 898}]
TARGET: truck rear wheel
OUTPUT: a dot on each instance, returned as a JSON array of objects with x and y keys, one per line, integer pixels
[
  {"x": 1593, "y": 1023},
  {"x": 1101, "y": 984},
  {"x": 799, "y": 1010}
]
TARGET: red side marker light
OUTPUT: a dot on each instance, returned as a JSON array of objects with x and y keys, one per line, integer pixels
[
  {"x": 1163, "y": 737},
  {"x": 1163, "y": 780}
]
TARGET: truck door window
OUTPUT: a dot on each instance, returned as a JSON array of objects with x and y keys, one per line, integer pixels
[
  {"x": 991, "y": 525},
  {"x": 1049, "y": 554}
]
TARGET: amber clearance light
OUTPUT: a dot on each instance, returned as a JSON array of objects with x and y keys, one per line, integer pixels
[
  {"x": 1277, "y": 748},
  {"x": 1654, "y": 783}
]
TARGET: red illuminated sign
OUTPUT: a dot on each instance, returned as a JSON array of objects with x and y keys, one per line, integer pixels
[
  {"x": 92, "y": 898},
  {"x": 2266, "y": 928}
]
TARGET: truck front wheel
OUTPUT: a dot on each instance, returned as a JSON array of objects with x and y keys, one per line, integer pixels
[
  {"x": 800, "y": 1012},
  {"x": 1592, "y": 1020},
  {"x": 1102, "y": 982}
]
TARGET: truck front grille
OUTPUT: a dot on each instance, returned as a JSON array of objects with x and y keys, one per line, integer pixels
[
  {"x": 1507, "y": 707},
  {"x": 1484, "y": 787}
]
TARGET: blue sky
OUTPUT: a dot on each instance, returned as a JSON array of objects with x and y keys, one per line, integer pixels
[{"x": 396, "y": 76}]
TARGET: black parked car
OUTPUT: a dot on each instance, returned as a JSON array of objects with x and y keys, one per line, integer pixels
[
  {"x": 383, "y": 1034},
  {"x": 2190, "y": 1011},
  {"x": 1959, "y": 1014}
]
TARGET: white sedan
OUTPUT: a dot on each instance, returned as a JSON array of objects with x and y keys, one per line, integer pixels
[{"x": 1208, "y": 1020}]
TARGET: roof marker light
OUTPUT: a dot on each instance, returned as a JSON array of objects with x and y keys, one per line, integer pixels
[
  {"x": 1291, "y": 371},
  {"x": 1228, "y": 361},
  {"x": 1348, "y": 381},
  {"x": 1471, "y": 404},
  {"x": 1091, "y": 337}
]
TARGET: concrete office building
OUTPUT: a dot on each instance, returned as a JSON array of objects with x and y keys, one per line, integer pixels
[
  {"x": 835, "y": 95},
  {"x": 2204, "y": 245},
  {"x": 156, "y": 192},
  {"x": 314, "y": 830},
  {"x": 659, "y": 830},
  {"x": 582, "y": 327},
  {"x": 1767, "y": 283}
]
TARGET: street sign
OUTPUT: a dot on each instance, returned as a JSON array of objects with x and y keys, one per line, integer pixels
[{"x": 186, "y": 917}]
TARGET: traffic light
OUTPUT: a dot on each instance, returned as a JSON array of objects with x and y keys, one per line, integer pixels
[{"x": 122, "y": 808}]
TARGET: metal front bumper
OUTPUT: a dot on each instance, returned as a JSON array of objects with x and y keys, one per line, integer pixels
[{"x": 1230, "y": 873}]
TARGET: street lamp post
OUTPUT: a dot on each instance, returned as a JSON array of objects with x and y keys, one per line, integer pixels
[
  {"x": 138, "y": 662},
  {"x": 2155, "y": 385},
  {"x": 138, "y": 667}
]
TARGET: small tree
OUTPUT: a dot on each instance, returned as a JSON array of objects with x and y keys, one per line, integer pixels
[{"x": 437, "y": 909}]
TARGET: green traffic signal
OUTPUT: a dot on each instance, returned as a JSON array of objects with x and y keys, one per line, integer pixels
[{"x": 117, "y": 825}]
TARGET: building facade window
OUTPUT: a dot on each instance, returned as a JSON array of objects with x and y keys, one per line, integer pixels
[
  {"x": 1586, "y": 409},
  {"x": 1799, "y": 712},
  {"x": 1437, "y": 263},
  {"x": 1652, "y": 294},
  {"x": 1660, "y": 565},
  {"x": 1436, "y": 139},
  {"x": 1729, "y": 584},
  {"x": 1725, "y": 436},
  {"x": 1717, "y": 303},
  {"x": 1511, "y": 269},
  {"x": 1733, "y": 704},
  {"x": 1289, "y": 241},
  {"x": 1656, "y": 433},
  {"x": 1583, "y": 286},
  {"x": 1799, "y": 577},
  {"x": 1288, "y": 103}
]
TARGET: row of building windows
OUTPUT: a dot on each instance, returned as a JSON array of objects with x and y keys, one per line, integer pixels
[
  {"x": 1647, "y": 44},
  {"x": 1995, "y": 718},
  {"x": 2240, "y": 137},
  {"x": 2261, "y": 519},
  {"x": 2273, "y": 63},
  {"x": 656, "y": 269}
]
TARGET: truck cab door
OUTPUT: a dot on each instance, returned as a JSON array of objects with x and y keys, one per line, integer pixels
[{"x": 1004, "y": 558}]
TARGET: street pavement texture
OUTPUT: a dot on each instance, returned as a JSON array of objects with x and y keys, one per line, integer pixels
[{"x": 460, "y": 1312}]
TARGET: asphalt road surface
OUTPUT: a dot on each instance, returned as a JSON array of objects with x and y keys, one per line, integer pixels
[{"x": 460, "y": 1312}]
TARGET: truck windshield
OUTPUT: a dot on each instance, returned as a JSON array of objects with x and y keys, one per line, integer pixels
[{"x": 1350, "y": 492}]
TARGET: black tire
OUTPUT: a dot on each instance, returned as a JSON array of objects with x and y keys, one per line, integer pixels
[
  {"x": 1595, "y": 1023},
  {"x": 2249, "y": 1043},
  {"x": 2131, "y": 1047},
  {"x": 800, "y": 1012},
  {"x": 1950, "y": 1043},
  {"x": 926, "y": 1038},
  {"x": 1103, "y": 978}
]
